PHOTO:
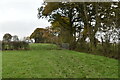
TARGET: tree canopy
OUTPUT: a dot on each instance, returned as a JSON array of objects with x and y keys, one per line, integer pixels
[
  {"x": 81, "y": 18},
  {"x": 79, "y": 22},
  {"x": 7, "y": 37}
]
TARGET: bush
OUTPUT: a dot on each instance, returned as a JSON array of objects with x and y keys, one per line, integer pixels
[
  {"x": 65, "y": 45},
  {"x": 82, "y": 47},
  {"x": 0, "y": 45},
  {"x": 107, "y": 50},
  {"x": 20, "y": 45}
]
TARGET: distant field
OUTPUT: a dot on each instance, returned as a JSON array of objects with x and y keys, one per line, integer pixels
[{"x": 48, "y": 61}]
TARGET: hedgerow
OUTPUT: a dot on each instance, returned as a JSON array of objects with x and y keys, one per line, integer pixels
[{"x": 19, "y": 45}]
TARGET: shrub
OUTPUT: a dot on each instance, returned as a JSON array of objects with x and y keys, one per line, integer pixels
[
  {"x": 65, "y": 45},
  {"x": 20, "y": 45},
  {"x": 83, "y": 47},
  {"x": 108, "y": 50},
  {"x": 0, "y": 45}
]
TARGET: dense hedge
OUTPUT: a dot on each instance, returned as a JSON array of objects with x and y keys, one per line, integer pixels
[
  {"x": 110, "y": 50},
  {"x": 21, "y": 45}
]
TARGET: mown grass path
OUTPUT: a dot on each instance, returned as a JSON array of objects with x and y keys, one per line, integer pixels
[{"x": 47, "y": 61}]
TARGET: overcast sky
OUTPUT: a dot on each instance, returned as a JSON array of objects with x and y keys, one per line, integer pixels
[{"x": 19, "y": 17}]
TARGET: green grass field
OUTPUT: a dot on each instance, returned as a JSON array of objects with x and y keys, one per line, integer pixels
[{"x": 48, "y": 61}]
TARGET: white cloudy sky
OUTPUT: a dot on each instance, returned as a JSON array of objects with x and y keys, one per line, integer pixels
[{"x": 19, "y": 17}]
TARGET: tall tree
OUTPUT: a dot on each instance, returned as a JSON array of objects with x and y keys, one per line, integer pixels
[
  {"x": 79, "y": 21},
  {"x": 37, "y": 35},
  {"x": 7, "y": 37},
  {"x": 15, "y": 38},
  {"x": 64, "y": 15}
]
